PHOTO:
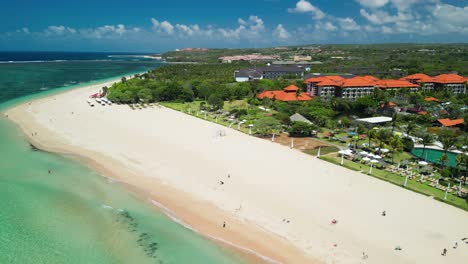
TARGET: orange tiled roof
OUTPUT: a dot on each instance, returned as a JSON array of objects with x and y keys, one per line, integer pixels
[
  {"x": 329, "y": 82},
  {"x": 288, "y": 94},
  {"x": 386, "y": 84},
  {"x": 418, "y": 77},
  {"x": 449, "y": 78},
  {"x": 358, "y": 81},
  {"x": 447, "y": 122},
  {"x": 291, "y": 88},
  {"x": 431, "y": 99},
  {"x": 324, "y": 78}
]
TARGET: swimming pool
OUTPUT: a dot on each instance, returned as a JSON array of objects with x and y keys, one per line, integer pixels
[{"x": 433, "y": 155}]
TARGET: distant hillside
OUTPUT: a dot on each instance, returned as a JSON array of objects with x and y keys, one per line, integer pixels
[{"x": 385, "y": 60}]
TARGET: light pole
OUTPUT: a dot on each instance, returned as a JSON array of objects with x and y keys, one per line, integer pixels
[
  {"x": 250, "y": 129},
  {"x": 292, "y": 142},
  {"x": 318, "y": 152},
  {"x": 273, "y": 139},
  {"x": 446, "y": 191}
]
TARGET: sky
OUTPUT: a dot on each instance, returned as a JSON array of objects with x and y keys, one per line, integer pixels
[{"x": 157, "y": 25}]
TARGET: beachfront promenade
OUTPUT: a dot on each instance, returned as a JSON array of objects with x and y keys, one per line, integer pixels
[{"x": 285, "y": 192}]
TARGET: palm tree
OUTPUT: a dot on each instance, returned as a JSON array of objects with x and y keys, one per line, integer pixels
[
  {"x": 426, "y": 140},
  {"x": 447, "y": 140},
  {"x": 394, "y": 121},
  {"x": 410, "y": 128},
  {"x": 397, "y": 146},
  {"x": 371, "y": 134}
]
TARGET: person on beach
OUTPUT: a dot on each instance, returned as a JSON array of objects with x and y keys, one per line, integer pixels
[
  {"x": 384, "y": 213},
  {"x": 363, "y": 255},
  {"x": 49, "y": 171},
  {"x": 444, "y": 252},
  {"x": 224, "y": 224},
  {"x": 455, "y": 246},
  {"x": 221, "y": 182}
]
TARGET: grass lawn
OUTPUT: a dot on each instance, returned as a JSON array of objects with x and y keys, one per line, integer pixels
[
  {"x": 412, "y": 185},
  {"x": 194, "y": 109},
  {"x": 323, "y": 150}
]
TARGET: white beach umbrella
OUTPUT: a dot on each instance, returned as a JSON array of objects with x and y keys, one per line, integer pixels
[
  {"x": 371, "y": 165},
  {"x": 384, "y": 150},
  {"x": 364, "y": 153},
  {"x": 366, "y": 159},
  {"x": 377, "y": 157},
  {"x": 423, "y": 163}
]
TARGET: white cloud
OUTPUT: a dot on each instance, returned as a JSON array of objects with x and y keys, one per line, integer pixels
[
  {"x": 348, "y": 24},
  {"x": 188, "y": 30},
  {"x": 108, "y": 31},
  {"x": 381, "y": 17},
  {"x": 329, "y": 26},
  {"x": 59, "y": 30},
  {"x": 162, "y": 27},
  {"x": 281, "y": 33},
  {"x": 451, "y": 15},
  {"x": 251, "y": 28},
  {"x": 401, "y": 5},
  {"x": 373, "y": 3},
  {"x": 304, "y": 6},
  {"x": 406, "y": 4}
]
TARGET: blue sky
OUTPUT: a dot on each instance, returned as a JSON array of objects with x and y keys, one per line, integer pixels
[{"x": 155, "y": 25}]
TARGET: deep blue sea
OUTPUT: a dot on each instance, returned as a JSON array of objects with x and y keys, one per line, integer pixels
[
  {"x": 25, "y": 73},
  {"x": 73, "y": 215}
]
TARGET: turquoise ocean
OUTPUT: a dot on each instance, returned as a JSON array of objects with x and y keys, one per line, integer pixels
[{"x": 73, "y": 215}]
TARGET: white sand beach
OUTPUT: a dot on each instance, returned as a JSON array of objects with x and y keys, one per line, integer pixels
[{"x": 276, "y": 201}]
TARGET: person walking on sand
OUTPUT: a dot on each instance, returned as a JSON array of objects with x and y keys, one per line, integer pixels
[
  {"x": 384, "y": 213},
  {"x": 455, "y": 246},
  {"x": 444, "y": 252},
  {"x": 224, "y": 224},
  {"x": 363, "y": 255}
]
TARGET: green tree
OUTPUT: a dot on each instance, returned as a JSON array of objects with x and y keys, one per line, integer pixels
[
  {"x": 371, "y": 134},
  {"x": 448, "y": 140},
  {"x": 408, "y": 144},
  {"x": 301, "y": 129},
  {"x": 265, "y": 126},
  {"x": 396, "y": 145},
  {"x": 187, "y": 94},
  {"x": 410, "y": 128},
  {"x": 216, "y": 102},
  {"x": 426, "y": 140},
  {"x": 145, "y": 95}
]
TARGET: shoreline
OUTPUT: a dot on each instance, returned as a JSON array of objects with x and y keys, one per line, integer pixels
[
  {"x": 150, "y": 167},
  {"x": 243, "y": 239}
]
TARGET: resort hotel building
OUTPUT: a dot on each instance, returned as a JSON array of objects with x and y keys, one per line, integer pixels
[{"x": 360, "y": 86}]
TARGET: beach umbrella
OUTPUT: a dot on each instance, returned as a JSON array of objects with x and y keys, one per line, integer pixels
[
  {"x": 423, "y": 163},
  {"x": 377, "y": 157},
  {"x": 366, "y": 159},
  {"x": 384, "y": 150},
  {"x": 342, "y": 153},
  {"x": 364, "y": 153},
  {"x": 374, "y": 161}
]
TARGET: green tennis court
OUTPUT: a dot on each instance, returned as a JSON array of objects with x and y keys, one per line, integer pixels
[{"x": 433, "y": 155}]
